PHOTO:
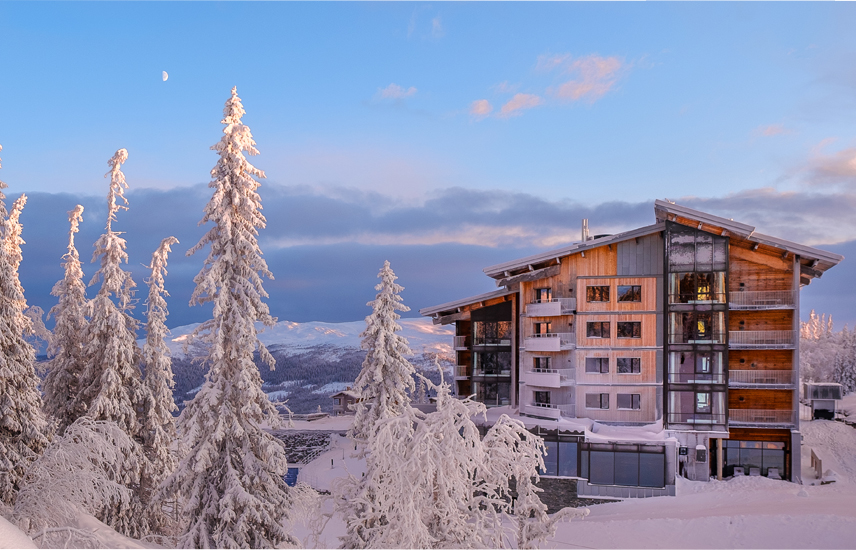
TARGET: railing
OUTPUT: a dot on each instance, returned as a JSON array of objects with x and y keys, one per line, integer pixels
[
  {"x": 551, "y": 341},
  {"x": 696, "y": 378},
  {"x": 761, "y": 416},
  {"x": 551, "y": 308},
  {"x": 482, "y": 372},
  {"x": 694, "y": 298},
  {"x": 460, "y": 342},
  {"x": 717, "y": 337},
  {"x": 551, "y": 378},
  {"x": 491, "y": 341},
  {"x": 762, "y": 299},
  {"x": 462, "y": 371},
  {"x": 767, "y": 339},
  {"x": 554, "y": 410},
  {"x": 752, "y": 377},
  {"x": 695, "y": 418}
]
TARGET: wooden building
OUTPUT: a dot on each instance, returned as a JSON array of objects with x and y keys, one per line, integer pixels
[{"x": 692, "y": 321}]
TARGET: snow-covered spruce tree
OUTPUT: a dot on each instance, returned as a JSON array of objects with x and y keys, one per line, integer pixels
[
  {"x": 158, "y": 425},
  {"x": 231, "y": 480},
  {"x": 844, "y": 370},
  {"x": 111, "y": 385},
  {"x": 24, "y": 431},
  {"x": 66, "y": 349},
  {"x": 386, "y": 376}
]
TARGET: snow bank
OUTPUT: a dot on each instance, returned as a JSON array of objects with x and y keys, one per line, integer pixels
[{"x": 12, "y": 537}]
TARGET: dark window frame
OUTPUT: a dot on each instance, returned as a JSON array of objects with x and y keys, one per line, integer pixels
[
  {"x": 597, "y": 294},
  {"x": 635, "y": 401},
  {"x": 631, "y": 294},
  {"x": 600, "y": 363},
  {"x": 603, "y": 401},
  {"x": 635, "y": 365},
  {"x": 635, "y": 329},
  {"x": 590, "y": 329}
]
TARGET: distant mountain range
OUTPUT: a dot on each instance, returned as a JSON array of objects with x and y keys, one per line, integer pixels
[{"x": 314, "y": 359}]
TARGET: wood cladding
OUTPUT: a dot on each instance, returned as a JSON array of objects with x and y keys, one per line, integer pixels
[
  {"x": 772, "y": 319},
  {"x": 647, "y": 400},
  {"x": 649, "y": 331},
  {"x": 764, "y": 434},
  {"x": 647, "y": 374},
  {"x": 760, "y": 359},
  {"x": 760, "y": 399},
  {"x": 758, "y": 272},
  {"x": 648, "y": 302}
]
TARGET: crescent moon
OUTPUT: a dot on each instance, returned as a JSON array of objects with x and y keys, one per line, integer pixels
[{"x": 165, "y": 76}]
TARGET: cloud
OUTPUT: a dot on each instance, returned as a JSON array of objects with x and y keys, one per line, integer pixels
[
  {"x": 394, "y": 91},
  {"x": 835, "y": 168},
  {"x": 773, "y": 130},
  {"x": 594, "y": 76},
  {"x": 437, "y": 28},
  {"x": 505, "y": 88},
  {"x": 518, "y": 103},
  {"x": 480, "y": 108}
]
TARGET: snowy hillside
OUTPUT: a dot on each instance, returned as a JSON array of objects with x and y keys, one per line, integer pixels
[{"x": 313, "y": 360}]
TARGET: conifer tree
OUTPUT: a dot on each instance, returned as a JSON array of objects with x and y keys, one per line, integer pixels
[
  {"x": 110, "y": 385},
  {"x": 386, "y": 376},
  {"x": 24, "y": 432},
  {"x": 231, "y": 479},
  {"x": 158, "y": 424},
  {"x": 61, "y": 384}
]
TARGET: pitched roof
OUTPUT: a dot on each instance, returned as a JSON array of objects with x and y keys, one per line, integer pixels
[{"x": 449, "y": 306}]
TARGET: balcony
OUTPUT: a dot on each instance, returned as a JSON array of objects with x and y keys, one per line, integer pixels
[
  {"x": 548, "y": 410},
  {"x": 696, "y": 378},
  {"x": 761, "y": 299},
  {"x": 461, "y": 343},
  {"x": 764, "y": 417},
  {"x": 492, "y": 372},
  {"x": 552, "y": 308},
  {"x": 762, "y": 339},
  {"x": 491, "y": 341},
  {"x": 696, "y": 419},
  {"x": 761, "y": 378},
  {"x": 462, "y": 372},
  {"x": 551, "y": 378},
  {"x": 552, "y": 341}
]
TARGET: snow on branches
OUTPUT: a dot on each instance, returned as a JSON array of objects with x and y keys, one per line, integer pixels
[
  {"x": 23, "y": 427},
  {"x": 386, "y": 375},
  {"x": 231, "y": 482},
  {"x": 61, "y": 384}
]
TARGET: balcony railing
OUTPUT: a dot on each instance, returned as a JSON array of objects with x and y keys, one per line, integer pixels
[
  {"x": 762, "y": 299},
  {"x": 762, "y": 339},
  {"x": 552, "y": 341},
  {"x": 461, "y": 343},
  {"x": 696, "y": 378},
  {"x": 462, "y": 371},
  {"x": 492, "y": 372},
  {"x": 551, "y": 308},
  {"x": 713, "y": 337},
  {"x": 698, "y": 298},
  {"x": 708, "y": 419},
  {"x": 761, "y": 416},
  {"x": 761, "y": 377},
  {"x": 491, "y": 341},
  {"x": 550, "y": 410},
  {"x": 551, "y": 378}
]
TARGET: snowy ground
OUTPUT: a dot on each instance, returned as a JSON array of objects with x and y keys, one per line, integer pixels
[{"x": 747, "y": 512}]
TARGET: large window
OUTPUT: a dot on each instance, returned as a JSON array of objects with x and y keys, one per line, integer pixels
[
  {"x": 699, "y": 367},
  {"x": 627, "y": 465},
  {"x": 629, "y": 293},
  {"x": 754, "y": 454},
  {"x": 697, "y": 327},
  {"x": 696, "y": 407},
  {"x": 597, "y": 400},
  {"x": 492, "y": 333},
  {"x": 542, "y": 397},
  {"x": 629, "y": 365},
  {"x": 492, "y": 393},
  {"x": 599, "y": 293},
  {"x": 561, "y": 458},
  {"x": 689, "y": 249},
  {"x": 629, "y": 329},
  {"x": 492, "y": 363},
  {"x": 597, "y": 329},
  {"x": 629, "y": 401},
  {"x": 697, "y": 288},
  {"x": 597, "y": 365}
]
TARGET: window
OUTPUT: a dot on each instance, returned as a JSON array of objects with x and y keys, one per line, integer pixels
[
  {"x": 492, "y": 363},
  {"x": 629, "y": 329},
  {"x": 597, "y": 329},
  {"x": 629, "y": 365},
  {"x": 597, "y": 365},
  {"x": 337, "y": 401},
  {"x": 629, "y": 293},
  {"x": 629, "y": 401},
  {"x": 691, "y": 288},
  {"x": 702, "y": 402},
  {"x": 492, "y": 333},
  {"x": 541, "y": 363},
  {"x": 543, "y": 295},
  {"x": 542, "y": 397},
  {"x": 597, "y": 293},
  {"x": 597, "y": 400},
  {"x": 542, "y": 328}
]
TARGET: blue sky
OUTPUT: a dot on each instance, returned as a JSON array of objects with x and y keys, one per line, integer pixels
[{"x": 443, "y": 137}]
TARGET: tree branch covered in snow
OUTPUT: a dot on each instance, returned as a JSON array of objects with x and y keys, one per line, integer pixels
[
  {"x": 61, "y": 384},
  {"x": 231, "y": 481}
]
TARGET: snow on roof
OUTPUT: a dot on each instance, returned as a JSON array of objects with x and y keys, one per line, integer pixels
[{"x": 346, "y": 393}]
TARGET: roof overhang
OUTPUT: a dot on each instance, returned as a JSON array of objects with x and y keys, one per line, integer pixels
[{"x": 451, "y": 308}]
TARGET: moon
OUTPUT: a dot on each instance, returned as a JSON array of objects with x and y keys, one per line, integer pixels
[{"x": 165, "y": 76}]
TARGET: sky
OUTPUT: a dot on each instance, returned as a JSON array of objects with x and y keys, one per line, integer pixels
[{"x": 444, "y": 137}]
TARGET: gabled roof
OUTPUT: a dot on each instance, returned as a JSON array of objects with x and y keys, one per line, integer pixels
[
  {"x": 453, "y": 306},
  {"x": 666, "y": 210},
  {"x": 498, "y": 271}
]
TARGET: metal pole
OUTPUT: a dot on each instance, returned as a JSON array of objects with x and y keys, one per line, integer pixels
[{"x": 719, "y": 459}]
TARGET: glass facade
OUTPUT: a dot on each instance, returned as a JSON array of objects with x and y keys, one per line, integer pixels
[{"x": 754, "y": 454}]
